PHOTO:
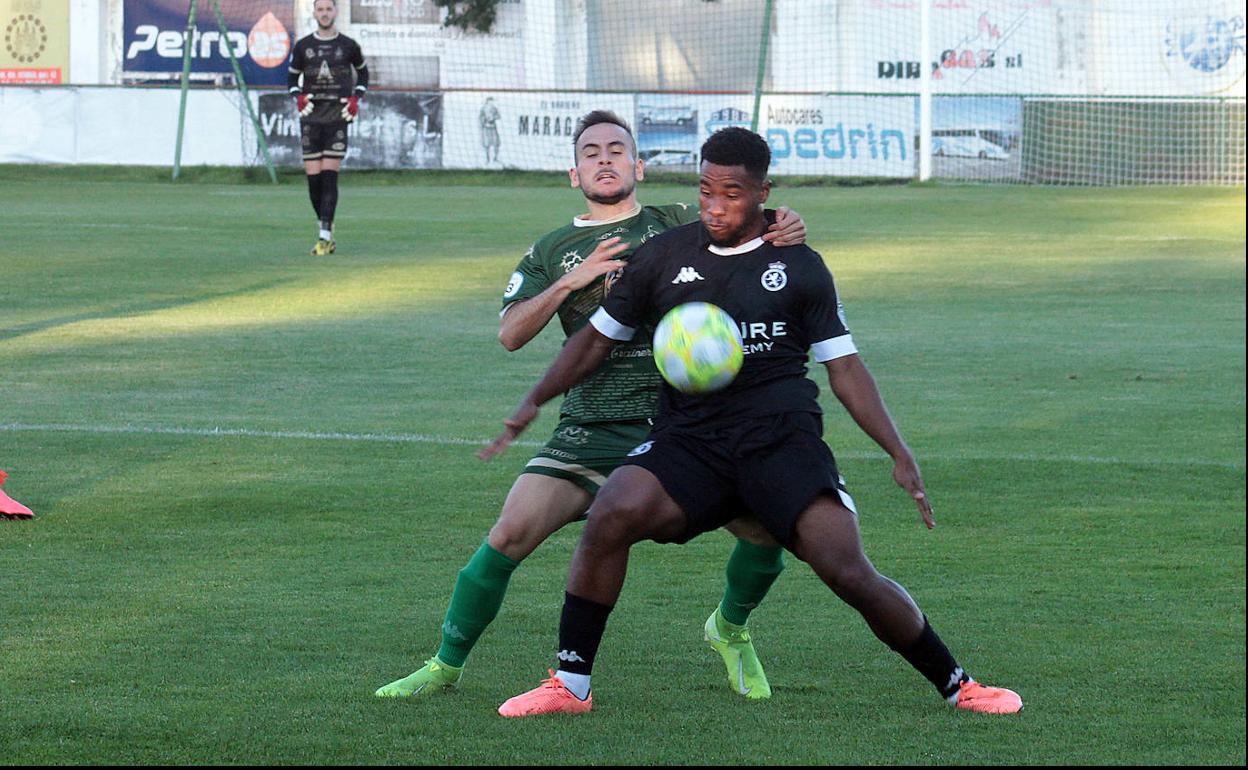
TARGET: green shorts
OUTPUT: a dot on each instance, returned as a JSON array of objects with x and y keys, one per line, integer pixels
[{"x": 586, "y": 453}]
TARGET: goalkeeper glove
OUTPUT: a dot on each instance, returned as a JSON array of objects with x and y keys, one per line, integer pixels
[
  {"x": 303, "y": 103},
  {"x": 351, "y": 109}
]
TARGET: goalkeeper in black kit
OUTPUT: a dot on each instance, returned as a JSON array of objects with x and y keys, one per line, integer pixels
[{"x": 327, "y": 77}]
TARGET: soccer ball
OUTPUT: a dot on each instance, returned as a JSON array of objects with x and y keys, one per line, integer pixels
[{"x": 698, "y": 348}]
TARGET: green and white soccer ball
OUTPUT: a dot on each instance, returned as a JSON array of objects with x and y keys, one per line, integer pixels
[{"x": 698, "y": 348}]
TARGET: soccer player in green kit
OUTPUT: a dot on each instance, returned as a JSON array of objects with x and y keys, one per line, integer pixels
[{"x": 568, "y": 272}]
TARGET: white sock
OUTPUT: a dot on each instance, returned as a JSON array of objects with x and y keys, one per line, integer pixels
[
  {"x": 953, "y": 699},
  {"x": 326, "y": 235},
  {"x": 578, "y": 684}
]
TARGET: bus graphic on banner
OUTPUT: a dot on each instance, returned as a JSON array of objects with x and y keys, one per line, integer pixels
[{"x": 257, "y": 31}]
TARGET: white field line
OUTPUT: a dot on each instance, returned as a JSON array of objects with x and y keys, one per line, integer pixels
[
  {"x": 113, "y": 226},
  {"x": 388, "y": 438},
  {"x": 419, "y": 438}
]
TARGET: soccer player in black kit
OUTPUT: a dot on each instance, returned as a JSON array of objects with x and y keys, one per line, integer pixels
[
  {"x": 755, "y": 446},
  {"x": 334, "y": 77}
]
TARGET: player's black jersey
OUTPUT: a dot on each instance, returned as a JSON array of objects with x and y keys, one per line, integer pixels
[
  {"x": 331, "y": 69},
  {"x": 783, "y": 300}
]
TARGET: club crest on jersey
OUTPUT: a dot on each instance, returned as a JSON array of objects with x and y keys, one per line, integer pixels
[
  {"x": 570, "y": 261},
  {"x": 775, "y": 278}
]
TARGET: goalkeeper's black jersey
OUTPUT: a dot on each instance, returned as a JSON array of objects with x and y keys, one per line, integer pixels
[{"x": 328, "y": 70}]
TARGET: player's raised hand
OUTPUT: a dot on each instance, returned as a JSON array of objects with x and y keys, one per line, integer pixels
[
  {"x": 512, "y": 427},
  {"x": 304, "y": 104},
  {"x": 906, "y": 474},
  {"x": 789, "y": 229},
  {"x": 601, "y": 260},
  {"x": 351, "y": 109}
]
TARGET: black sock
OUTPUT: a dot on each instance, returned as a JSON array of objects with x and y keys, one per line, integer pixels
[
  {"x": 329, "y": 198},
  {"x": 314, "y": 192},
  {"x": 581, "y": 627},
  {"x": 932, "y": 659}
]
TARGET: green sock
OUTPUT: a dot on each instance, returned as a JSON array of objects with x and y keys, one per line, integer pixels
[
  {"x": 751, "y": 571},
  {"x": 479, "y": 592}
]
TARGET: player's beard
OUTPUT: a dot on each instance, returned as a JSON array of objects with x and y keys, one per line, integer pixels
[
  {"x": 750, "y": 229},
  {"x": 613, "y": 198}
]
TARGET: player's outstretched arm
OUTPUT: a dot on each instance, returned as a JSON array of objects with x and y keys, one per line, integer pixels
[
  {"x": 582, "y": 354},
  {"x": 524, "y": 319},
  {"x": 854, "y": 386},
  {"x": 789, "y": 228}
]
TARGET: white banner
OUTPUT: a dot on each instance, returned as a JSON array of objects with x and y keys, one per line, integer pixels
[
  {"x": 989, "y": 46},
  {"x": 1034, "y": 47},
  {"x": 39, "y": 125},
  {"x": 533, "y": 131},
  {"x": 116, "y": 126},
  {"x": 407, "y": 46},
  {"x": 1192, "y": 50}
]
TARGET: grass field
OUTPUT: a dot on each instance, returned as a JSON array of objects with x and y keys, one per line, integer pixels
[{"x": 255, "y": 479}]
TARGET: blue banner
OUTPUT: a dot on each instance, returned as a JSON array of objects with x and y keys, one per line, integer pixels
[{"x": 260, "y": 32}]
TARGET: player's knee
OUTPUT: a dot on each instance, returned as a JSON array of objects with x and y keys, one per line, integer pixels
[
  {"x": 852, "y": 579},
  {"x": 514, "y": 542},
  {"x": 615, "y": 522}
]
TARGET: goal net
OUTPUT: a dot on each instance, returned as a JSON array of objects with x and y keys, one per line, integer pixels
[{"x": 1103, "y": 92}]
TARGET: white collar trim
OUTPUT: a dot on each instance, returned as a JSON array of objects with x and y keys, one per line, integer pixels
[
  {"x": 724, "y": 251},
  {"x": 581, "y": 222}
]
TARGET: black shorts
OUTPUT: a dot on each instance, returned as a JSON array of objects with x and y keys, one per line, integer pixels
[
  {"x": 324, "y": 140},
  {"x": 771, "y": 467}
]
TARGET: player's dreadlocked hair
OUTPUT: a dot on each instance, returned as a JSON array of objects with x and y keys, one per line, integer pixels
[
  {"x": 736, "y": 146},
  {"x": 591, "y": 119}
]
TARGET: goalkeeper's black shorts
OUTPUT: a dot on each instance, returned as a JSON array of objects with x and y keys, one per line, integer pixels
[{"x": 326, "y": 139}]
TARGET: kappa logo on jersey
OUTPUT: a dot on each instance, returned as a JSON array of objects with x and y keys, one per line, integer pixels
[
  {"x": 641, "y": 448},
  {"x": 570, "y": 656},
  {"x": 570, "y": 261},
  {"x": 513, "y": 285},
  {"x": 687, "y": 275},
  {"x": 775, "y": 278}
]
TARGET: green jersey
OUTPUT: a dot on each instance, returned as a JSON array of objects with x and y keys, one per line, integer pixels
[{"x": 626, "y": 385}]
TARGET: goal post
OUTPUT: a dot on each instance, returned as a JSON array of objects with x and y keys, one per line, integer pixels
[{"x": 190, "y": 39}]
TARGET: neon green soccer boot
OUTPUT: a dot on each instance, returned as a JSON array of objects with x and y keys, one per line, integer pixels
[
  {"x": 433, "y": 677},
  {"x": 745, "y": 673}
]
